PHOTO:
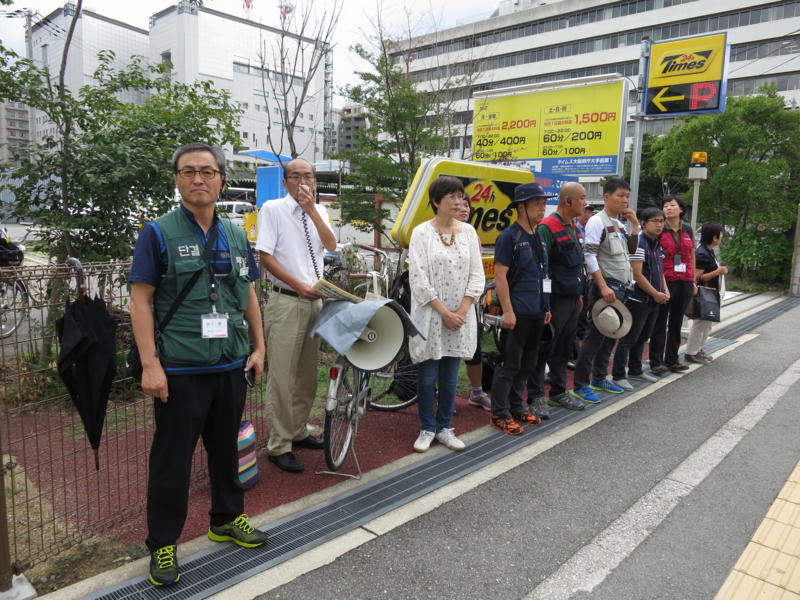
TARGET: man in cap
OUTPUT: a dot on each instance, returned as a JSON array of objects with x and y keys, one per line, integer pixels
[
  {"x": 565, "y": 260},
  {"x": 607, "y": 249},
  {"x": 522, "y": 286},
  {"x": 583, "y": 219}
]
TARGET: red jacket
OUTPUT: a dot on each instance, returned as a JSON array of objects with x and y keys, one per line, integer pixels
[{"x": 686, "y": 248}]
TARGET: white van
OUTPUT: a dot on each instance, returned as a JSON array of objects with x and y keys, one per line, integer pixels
[{"x": 235, "y": 211}]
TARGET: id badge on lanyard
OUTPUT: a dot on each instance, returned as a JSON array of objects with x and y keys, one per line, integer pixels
[
  {"x": 215, "y": 325},
  {"x": 679, "y": 265}
]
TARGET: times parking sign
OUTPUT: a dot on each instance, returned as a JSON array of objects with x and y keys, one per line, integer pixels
[
  {"x": 687, "y": 76},
  {"x": 574, "y": 127}
]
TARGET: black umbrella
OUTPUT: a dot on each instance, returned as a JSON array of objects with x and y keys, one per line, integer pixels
[{"x": 87, "y": 362}]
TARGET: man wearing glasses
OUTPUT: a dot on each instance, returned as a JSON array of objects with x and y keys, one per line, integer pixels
[
  {"x": 293, "y": 234},
  {"x": 195, "y": 370}
]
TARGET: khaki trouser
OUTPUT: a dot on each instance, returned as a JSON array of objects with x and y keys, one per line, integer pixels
[
  {"x": 698, "y": 334},
  {"x": 292, "y": 379}
]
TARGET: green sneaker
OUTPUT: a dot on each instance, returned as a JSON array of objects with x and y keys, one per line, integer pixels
[
  {"x": 164, "y": 566},
  {"x": 239, "y": 531}
]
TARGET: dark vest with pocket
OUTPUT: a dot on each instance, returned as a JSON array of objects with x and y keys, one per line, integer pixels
[
  {"x": 566, "y": 263},
  {"x": 182, "y": 341}
]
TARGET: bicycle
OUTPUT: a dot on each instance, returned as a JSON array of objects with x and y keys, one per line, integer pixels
[
  {"x": 14, "y": 302},
  {"x": 352, "y": 391}
]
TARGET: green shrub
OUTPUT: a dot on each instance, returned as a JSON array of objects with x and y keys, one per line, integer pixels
[{"x": 761, "y": 253}]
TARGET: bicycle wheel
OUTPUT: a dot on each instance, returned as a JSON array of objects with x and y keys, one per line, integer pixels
[
  {"x": 341, "y": 415},
  {"x": 39, "y": 290},
  {"x": 13, "y": 306},
  {"x": 395, "y": 387}
]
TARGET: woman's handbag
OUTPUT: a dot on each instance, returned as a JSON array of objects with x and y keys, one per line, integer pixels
[{"x": 707, "y": 304}]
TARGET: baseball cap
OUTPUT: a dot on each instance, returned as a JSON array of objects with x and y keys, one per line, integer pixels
[{"x": 526, "y": 191}]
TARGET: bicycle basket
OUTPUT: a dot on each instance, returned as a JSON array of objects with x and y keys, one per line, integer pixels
[{"x": 10, "y": 254}]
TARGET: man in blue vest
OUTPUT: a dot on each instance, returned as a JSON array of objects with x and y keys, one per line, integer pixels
[
  {"x": 565, "y": 252},
  {"x": 196, "y": 369},
  {"x": 520, "y": 275}
]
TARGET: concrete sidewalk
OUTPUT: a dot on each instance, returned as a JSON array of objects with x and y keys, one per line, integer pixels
[{"x": 737, "y": 307}]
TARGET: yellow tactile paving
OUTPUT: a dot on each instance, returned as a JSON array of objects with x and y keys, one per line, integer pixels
[
  {"x": 769, "y": 567},
  {"x": 784, "y": 511},
  {"x": 740, "y": 586},
  {"x": 773, "y": 566},
  {"x": 780, "y": 536},
  {"x": 790, "y": 492},
  {"x": 795, "y": 476}
]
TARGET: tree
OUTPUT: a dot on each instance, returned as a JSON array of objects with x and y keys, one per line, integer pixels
[
  {"x": 290, "y": 65},
  {"x": 406, "y": 123},
  {"x": 652, "y": 186},
  {"x": 90, "y": 186},
  {"x": 753, "y": 160}
]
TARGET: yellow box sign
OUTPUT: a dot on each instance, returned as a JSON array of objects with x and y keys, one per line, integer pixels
[
  {"x": 251, "y": 226},
  {"x": 489, "y": 187},
  {"x": 575, "y": 130},
  {"x": 687, "y": 75}
]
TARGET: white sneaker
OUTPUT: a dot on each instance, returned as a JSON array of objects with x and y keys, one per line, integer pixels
[
  {"x": 645, "y": 377},
  {"x": 449, "y": 439},
  {"x": 624, "y": 384},
  {"x": 424, "y": 441}
]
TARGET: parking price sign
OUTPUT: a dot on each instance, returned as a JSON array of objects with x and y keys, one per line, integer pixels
[{"x": 574, "y": 130}]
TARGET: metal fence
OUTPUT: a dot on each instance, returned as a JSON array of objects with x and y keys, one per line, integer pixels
[{"x": 55, "y": 497}]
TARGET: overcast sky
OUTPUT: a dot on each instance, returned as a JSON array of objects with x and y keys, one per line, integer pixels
[{"x": 356, "y": 18}]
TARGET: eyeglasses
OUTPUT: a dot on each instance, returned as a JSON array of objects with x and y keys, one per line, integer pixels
[
  {"x": 455, "y": 197},
  {"x": 655, "y": 221},
  {"x": 188, "y": 173},
  {"x": 295, "y": 178}
]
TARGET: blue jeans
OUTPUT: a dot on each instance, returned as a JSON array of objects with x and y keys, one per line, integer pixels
[
  {"x": 446, "y": 370},
  {"x": 644, "y": 318}
]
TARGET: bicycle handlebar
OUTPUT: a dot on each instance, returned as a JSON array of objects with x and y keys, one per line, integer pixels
[{"x": 360, "y": 276}]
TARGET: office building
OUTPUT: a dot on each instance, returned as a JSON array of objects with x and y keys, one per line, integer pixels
[
  {"x": 354, "y": 118},
  {"x": 15, "y": 128},
  {"x": 205, "y": 44},
  {"x": 93, "y": 33},
  {"x": 528, "y": 41}
]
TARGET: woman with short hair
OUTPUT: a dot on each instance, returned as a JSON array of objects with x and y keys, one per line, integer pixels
[
  {"x": 707, "y": 273},
  {"x": 677, "y": 243},
  {"x": 446, "y": 279}
]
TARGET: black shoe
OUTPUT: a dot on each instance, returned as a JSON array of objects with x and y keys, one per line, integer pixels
[
  {"x": 310, "y": 442},
  {"x": 164, "y": 566},
  {"x": 287, "y": 462},
  {"x": 658, "y": 369},
  {"x": 677, "y": 368}
]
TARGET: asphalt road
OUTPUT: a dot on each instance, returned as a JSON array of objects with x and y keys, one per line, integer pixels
[{"x": 657, "y": 500}]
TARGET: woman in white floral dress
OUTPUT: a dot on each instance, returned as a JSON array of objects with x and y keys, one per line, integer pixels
[{"x": 446, "y": 279}]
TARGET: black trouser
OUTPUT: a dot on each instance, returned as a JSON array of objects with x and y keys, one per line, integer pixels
[
  {"x": 564, "y": 323},
  {"x": 668, "y": 324},
  {"x": 210, "y": 405},
  {"x": 596, "y": 349},
  {"x": 520, "y": 351}
]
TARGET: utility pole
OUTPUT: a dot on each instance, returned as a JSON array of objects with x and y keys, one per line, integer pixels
[
  {"x": 698, "y": 171},
  {"x": 638, "y": 128}
]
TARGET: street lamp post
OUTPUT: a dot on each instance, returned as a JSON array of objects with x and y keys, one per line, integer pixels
[{"x": 698, "y": 171}]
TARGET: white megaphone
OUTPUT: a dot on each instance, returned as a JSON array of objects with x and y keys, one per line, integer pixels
[{"x": 380, "y": 342}]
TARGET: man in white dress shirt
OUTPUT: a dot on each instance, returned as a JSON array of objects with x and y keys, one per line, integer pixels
[{"x": 293, "y": 234}]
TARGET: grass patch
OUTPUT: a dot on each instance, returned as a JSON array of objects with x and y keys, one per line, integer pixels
[{"x": 746, "y": 285}]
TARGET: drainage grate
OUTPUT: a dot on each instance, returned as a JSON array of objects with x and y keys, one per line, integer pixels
[{"x": 215, "y": 569}]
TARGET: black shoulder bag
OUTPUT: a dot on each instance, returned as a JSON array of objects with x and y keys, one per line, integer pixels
[{"x": 133, "y": 362}]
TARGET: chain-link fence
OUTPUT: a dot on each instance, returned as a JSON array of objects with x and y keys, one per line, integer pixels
[{"x": 55, "y": 497}]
